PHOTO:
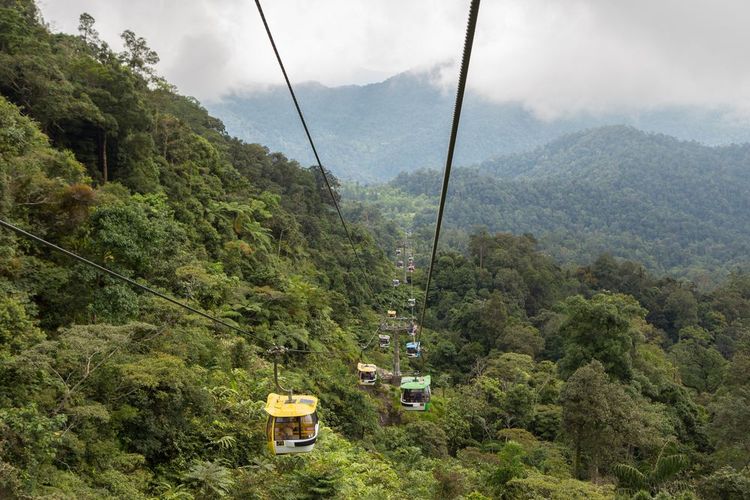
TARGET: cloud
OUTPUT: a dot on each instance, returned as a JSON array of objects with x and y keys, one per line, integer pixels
[{"x": 554, "y": 57}]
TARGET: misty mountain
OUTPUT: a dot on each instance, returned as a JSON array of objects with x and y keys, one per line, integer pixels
[
  {"x": 373, "y": 132},
  {"x": 679, "y": 207}
]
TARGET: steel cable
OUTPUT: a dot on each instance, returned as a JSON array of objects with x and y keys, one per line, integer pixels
[{"x": 468, "y": 44}]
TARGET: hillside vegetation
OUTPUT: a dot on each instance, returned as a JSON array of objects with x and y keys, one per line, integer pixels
[
  {"x": 678, "y": 207},
  {"x": 600, "y": 382}
]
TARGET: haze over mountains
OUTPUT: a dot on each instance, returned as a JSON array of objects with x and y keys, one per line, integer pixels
[{"x": 373, "y": 132}]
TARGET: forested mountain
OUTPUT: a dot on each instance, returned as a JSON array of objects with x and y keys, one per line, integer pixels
[
  {"x": 373, "y": 132},
  {"x": 679, "y": 207},
  {"x": 597, "y": 382}
]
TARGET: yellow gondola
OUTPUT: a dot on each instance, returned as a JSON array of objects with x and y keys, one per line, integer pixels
[
  {"x": 391, "y": 313},
  {"x": 292, "y": 425},
  {"x": 367, "y": 373}
]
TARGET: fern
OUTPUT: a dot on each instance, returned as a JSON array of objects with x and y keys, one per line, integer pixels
[
  {"x": 668, "y": 467},
  {"x": 629, "y": 478}
]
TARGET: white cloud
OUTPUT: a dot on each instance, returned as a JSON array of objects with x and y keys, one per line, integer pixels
[{"x": 555, "y": 57}]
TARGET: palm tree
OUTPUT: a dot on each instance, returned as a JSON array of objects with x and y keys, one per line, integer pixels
[{"x": 632, "y": 480}]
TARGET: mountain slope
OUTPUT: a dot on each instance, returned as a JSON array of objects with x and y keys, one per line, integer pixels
[
  {"x": 679, "y": 207},
  {"x": 373, "y": 132}
]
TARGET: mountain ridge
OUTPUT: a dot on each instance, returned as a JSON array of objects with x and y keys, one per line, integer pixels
[
  {"x": 370, "y": 133},
  {"x": 680, "y": 207}
]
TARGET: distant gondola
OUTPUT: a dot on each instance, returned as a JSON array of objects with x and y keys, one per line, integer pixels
[
  {"x": 368, "y": 374},
  {"x": 413, "y": 349}
]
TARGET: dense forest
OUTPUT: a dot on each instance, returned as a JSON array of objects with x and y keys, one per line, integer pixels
[
  {"x": 594, "y": 382},
  {"x": 680, "y": 208}
]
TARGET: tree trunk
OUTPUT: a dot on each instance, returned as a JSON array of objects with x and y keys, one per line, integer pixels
[{"x": 103, "y": 155}]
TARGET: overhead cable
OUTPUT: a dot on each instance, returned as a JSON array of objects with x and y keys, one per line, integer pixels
[
  {"x": 468, "y": 43},
  {"x": 130, "y": 281},
  {"x": 309, "y": 137}
]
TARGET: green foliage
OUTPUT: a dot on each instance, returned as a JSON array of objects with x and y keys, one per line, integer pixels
[
  {"x": 511, "y": 465},
  {"x": 106, "y": 392},
  {"x": 209, "y": 479},
  {"x": 726, "y": 483},
  {"x": 538, "y": 486},
  {"x": 599, "y": 417},
  {"x": 701, "y": 366},
  {"x": 602, "y": 328}
]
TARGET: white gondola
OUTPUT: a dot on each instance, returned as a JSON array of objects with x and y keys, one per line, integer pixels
[
  {"x": 400, "y": 264},
  {"x": 412, "y": 302},
  {"x": 385, "y": 341},
  {"x": 396, "y": 282}
]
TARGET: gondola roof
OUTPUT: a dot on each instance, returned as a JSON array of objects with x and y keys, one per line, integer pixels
[
  {"x": 278, "y": 405},
  {"x": 415, "y": 382}
]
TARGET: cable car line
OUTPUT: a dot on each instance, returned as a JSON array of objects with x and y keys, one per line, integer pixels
[
  {"x": 468, "y": 44},
  {"x": 293, "y": 425},
  {"x": 130, "y": 281},
  {"x": 369, "y": 343},
  {"x": 310, "y": 140},
  {"x": 150, "y": 290}
]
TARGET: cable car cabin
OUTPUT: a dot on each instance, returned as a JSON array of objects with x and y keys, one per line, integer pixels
[
  {"x": 400, "y": 264},
  {"x": 367, "y": 374},
  {"x": 396, "y": 282},
  {"x": 415, "y": 393},
  {"x": 398, "y": 251},
  {"x": 292, "y": 425},
  {"x": 412, "y": 329},
  {"x": 385, "y": 341},
  {"x": 412, "y": 302},
  {"x": 411, "y": 269},
  {"x": 408, "y": 280},
  {"x": 413, "y": 349},
  {"x": 391, "y": 313}
]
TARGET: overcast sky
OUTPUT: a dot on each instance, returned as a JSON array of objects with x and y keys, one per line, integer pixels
[{"x": 554, "y": 56}]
